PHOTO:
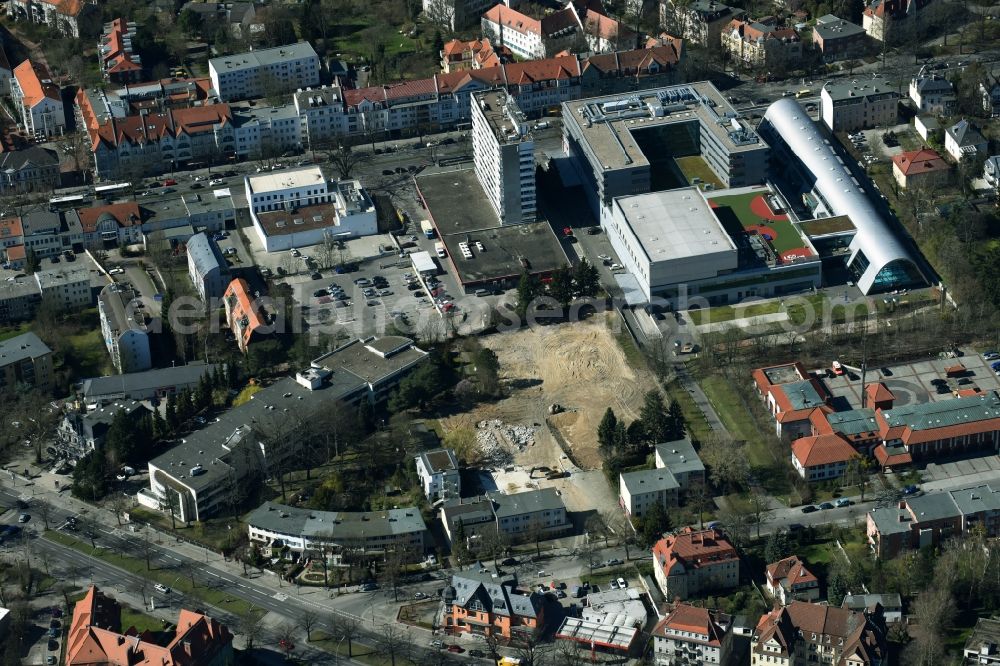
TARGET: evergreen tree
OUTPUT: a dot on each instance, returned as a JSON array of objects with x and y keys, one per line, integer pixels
[
  {"x": 203, "y": 394},
  {"x": 636, "y": 435},
  {"x": 587, "y": 279},
  {"x": 606, "y": 434},
  {"x": 218, "y": 381},
  {"x": 561, "y": 287},
  {"x": 655, "y": 418},
  {"x": 777, "y": 546},
  {"x": 676, "y": 424},
  {"x": 438, "y": 42},
  {"x": 654, "y": 524},
  {"x": 170, "y": 413},
  {"x": 527, "y": 290},
  {"x": 621, "y": 437},
  {"x": 160, "y": 428}
]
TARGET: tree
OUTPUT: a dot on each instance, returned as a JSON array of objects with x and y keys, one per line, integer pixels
[
  {"x": 587, "y": 279},
  {"x": 857, "y": 473},
  {"x": 190, "y": 22},
  {"x": 654, "y": 523},
  {"x": 655, "y": 418},
  {"x": 699, "y": 498},
  {"x": 392, "y": 641},
  {"x": 726, "y": 460},
  {"x": 249, "y": 625},
  {"x": 307, "y": 621},
  {"x": 561, "y": 286},
  {"x": 777, "y": 546},
  {"x": 759, "y": 504},
  {"x": 527, "y": 290},
  {"x": 31, "y": 261},
  {"x": 344, "y": 628},
  {"x": 440, "y": 14},
  {"x": 345, "y": 159},
  {"x": 736, "y": 525},
  {"x": 607, "y": 434}
]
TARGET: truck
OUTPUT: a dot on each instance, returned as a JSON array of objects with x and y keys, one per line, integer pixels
[
  {"x": 427, "y": 228},
  {"x": 439, "y": 250}
]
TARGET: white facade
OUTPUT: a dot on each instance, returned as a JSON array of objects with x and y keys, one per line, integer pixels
[
  {"x": 67, "y": 289},
  {"x": 932, "y": 94},
  {"x": 691, "y": 636},
  {"x": 124, "y": 330},
  {"x": 37, "y": 100},
  {"x": 639, "y": 491},
  {"x": 277, "y": 190},
  {"x": 438, "y": 474},
  {"x": 260, "y": 72},
  {"x": 521, "y": 34},
  {"x": 504, "y": 155}
]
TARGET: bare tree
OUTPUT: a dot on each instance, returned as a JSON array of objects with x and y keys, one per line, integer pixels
[
  {"x": 530, "y": 648},
  {"x": 286, "y": 638},
  {"x": 699, "y": 498},
  {"x": 118, "y": 505},
  {"x": 249, "y": 626},
  {"x": 344, "y": 628},
  {"x": 345, "y": 159},
  {"x": 44, "y": 511},
  {"x": 726, "y": 459},
  {"x": 391, "y": 641},
  {"x": 759, "y": 504},
  {"x": 307, "y": 621}
]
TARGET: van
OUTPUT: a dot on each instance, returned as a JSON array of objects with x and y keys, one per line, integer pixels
[{"x": 482, "y": 292}]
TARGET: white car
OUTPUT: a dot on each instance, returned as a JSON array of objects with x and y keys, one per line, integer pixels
[
  {"x": 614, "y": 585},
  {"x": 216, "y": 181},
  {"x": 604, "y": 257},
  {"x": 622, "y": 584},
  {"x": 296, "y": 253},
  {"x": 116, "y": 271},
  {"x": 199, "y": 178},
  {"x": 161, "y": 588}
]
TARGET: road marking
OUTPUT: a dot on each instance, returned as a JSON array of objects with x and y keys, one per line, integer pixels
[{"x": 280, "y": 597}]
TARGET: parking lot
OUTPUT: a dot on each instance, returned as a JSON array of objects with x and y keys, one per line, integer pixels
[
  {"x": 918, "y": 381},
  {"x": 940, "y": 471}
]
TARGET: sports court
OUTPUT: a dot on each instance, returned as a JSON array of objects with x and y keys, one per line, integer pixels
[{"x": 751, "y": 213}]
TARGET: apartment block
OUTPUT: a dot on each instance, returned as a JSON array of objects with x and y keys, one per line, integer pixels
[
  {"x": 857, "y": 105},
  {"x": 25, "y": 361},
  {"x": 438, "y": 474},
  {"x": 504, "y": 156},
  {"x": 262, "y": 71},
  {"x": 694, "y": 561},
  {"x": 37, "y": 100},
  {"x": 124, "y": 328}
]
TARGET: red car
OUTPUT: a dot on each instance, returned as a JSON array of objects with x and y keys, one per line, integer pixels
[
  {"x": 285, "y": 645},
  {"x": 169, "y": 181},
  {"x": 567, "y": 231},
  {"x": 457, "y": 649}
]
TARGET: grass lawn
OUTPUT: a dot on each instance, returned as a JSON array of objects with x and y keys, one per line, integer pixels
[
  {"x": 821, "y": 552},
  {"x": 738, "y": 207},
  {"x": 694, "y": 166},
  {"x": 697, "y": 426},
  {"x": 142, "y": 622},
  {"x": 730, "y": 312},
  {"x": 359, "y": 36},
  {"x": 212, "y": 533},
  {"x": 8, "y": 333},
  {"x": 175, "y": 578},
  {"x": 89, "y": 358},
  {"x": 629, "y": 348},
  {"x": 737, "y": 420}
]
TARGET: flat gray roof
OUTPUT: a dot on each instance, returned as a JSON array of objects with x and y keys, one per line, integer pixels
[
  {"x": 543, "y": 499},
  {"x": 333, "y": 525},
  {"x": 22, "y": 347},
  {"x": 674, "y": 224},
  {"x": 457, "y": 204},
  {"x": 833, "y": 27},
  {"x": 439, "y": 460},
  {"x": 679, "y": 456},
  {"x": 57, "y": 277},
  {"x": 648, "y": 481},
  {"x": 860, "y": 88},
  {"x": 929, "y": 415},
  {"x": 205, "y": 254},
  {"x": 116, "y": 299},
  {"x": 263, "y": 57},
  {"x": 504, "y": 117},
  {"x": 145, "y": 381},
  {"x": 606, "y": 123}
]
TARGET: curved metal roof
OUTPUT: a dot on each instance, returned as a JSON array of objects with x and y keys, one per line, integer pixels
[{"x": 835, "y": 183}]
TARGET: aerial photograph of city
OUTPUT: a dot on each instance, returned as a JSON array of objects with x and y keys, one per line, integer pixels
[{"x": 499, "y": 332}]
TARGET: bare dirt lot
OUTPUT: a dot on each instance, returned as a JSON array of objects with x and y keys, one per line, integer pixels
[{"x": 577, "y": 365}]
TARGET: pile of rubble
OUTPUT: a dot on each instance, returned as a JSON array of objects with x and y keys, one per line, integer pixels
[{"x": 498, "y": 440}]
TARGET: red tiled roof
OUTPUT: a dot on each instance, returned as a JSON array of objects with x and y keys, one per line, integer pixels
[
  {"x": 36, "y": 83},
  {"x": 503, "y": 15},
  {"x": 694, "y": 620},
  {"x": 240, "y": 302},
  {"x": 878, "y": 392},
  {"x": 605, "y": 27},
  {"x": 916, "y": 162},
  {"x": 694, "y": 548},
  {"x": 149, "y": 128},
  {"x": 885, "y": 459},
  {"x": 11, "y": 226},
  {"x": 125, "y": 214},
  {"x": 791, "y": 569},
  {"x": 67, "y": 7},
  {"x": 853, "y": 633},
  {"x": 824, "y": 449}
]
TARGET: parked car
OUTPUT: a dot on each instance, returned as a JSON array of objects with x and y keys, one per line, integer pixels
[
  {"x": 621, "y": 583},
  {"x": 910, "y": 489},
  {"x": 437, "y": 644},
  {"x": 991, "y": 356},
  {"x": 843, "y": 501},
  {"x": 161, "y": 588},
  {"x": 457, "y": 649},
  {"x": 826, "y": 505},
  {"x": 809, "y": 508},
  {"x": 23, "y": 518}
]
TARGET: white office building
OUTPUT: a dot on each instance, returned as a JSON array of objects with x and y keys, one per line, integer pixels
[
  {"x": 260, "y": 72},
  {"x": 68, "y": 289},
  {"x": 123, "y": 327},
  {"x": 297, "y": 208},
  {"x": 504, "y": 155}
]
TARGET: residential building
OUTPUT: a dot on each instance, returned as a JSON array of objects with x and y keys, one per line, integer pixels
[
  {"x": 240, "y": 18},
  {"x": 927, "y": 127},
  {"x": 503, "y": 151},
  {"x": 701, "y": 21},
  {"x": 853, "y": 106},
  {"x": 119, "y": 62},
  {"x": 895, "y": 17},
  {"x": 37, "y": 100},
  {"x": 822, "y": 457},
  {"x": 52, "y": 231},
  {"x": 530, "y": 38},
  {"x": 207, "y": 268},
  {"x": 246, "y": 315},
  {"x": 891, "y": 605},
  {"x": 295, "y": 208},
  {"x": 802, "y": 633},
  {"x": 789, "y": 579},
  {"x": 605, "y": 34},
  {"x": 990, "y": 92},
  {"x": 677, "y": 466},
  {"x": 113, "y": 224},
  {"x": 31, "y": 169},
  {"x": 920, "y": 168},
  {"x": 983, "y": 644},
  {"x": 358, "y": 534},
  {"x": 533, "y": 514},
  {"x": 437, "y": 471},
  {"x": 679, "y": 457},
  {"x": 932, "y": 93},
  {"x": 264, "y": 132},
  {"x": 72, "y": 18},
  {"x": 151, "y": 385},
  {"x": 639, "y": 491},
  {"x": 694, "y": 561},
  {"x": 124, "y": 328},
  {"x": 477, "y": 603},
  {"x": 963, "y": 141},
  {"x": 459, "y": 14},
  {"x": 6, "y": 71},
  {"x": 878, "y": 260},
  {"x": 932, "y": 518},
  {"x": 692, "y": 636},
  {"x": 66, "y": 289},
  {"x": 756, "y": 44},
  {"x": 837, "y": 39},
  {"x": 790, "y": 393},
  {"x": 19, "y": 297},
  {"x": 459, "y": 56},
  {"x": 80, "y": 433},
  {"x": 260, "y": 72},
  {"x": 641, "y": 69},
  {"x": 200, "y": 470},
  {"x": 991, "y": 171},
  {"x": 95, "y": 637},
  {"x": 25, "y": 361}
]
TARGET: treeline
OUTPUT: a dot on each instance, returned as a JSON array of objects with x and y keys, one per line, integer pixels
[{"x": 624, "y": 446}]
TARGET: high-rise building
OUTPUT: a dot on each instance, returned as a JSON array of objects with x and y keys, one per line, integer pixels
[{"x": 504, "y": 154}]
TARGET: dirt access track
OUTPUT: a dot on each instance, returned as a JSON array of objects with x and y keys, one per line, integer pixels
[{"x": 577, "y": 365}]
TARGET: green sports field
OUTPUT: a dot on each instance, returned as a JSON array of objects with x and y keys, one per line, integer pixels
[{"x": 735, "y": 210}]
